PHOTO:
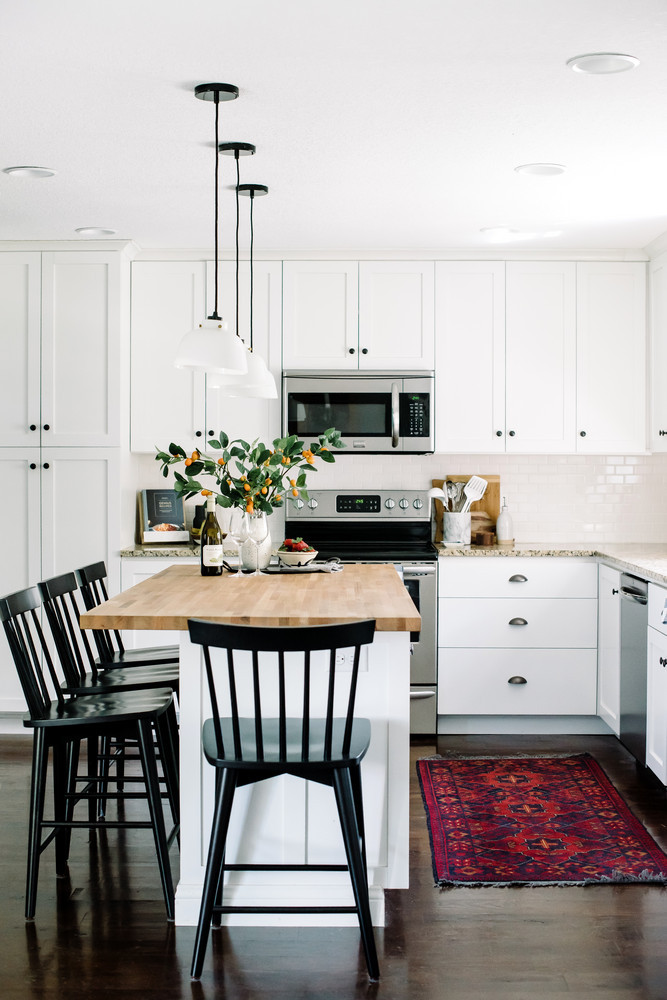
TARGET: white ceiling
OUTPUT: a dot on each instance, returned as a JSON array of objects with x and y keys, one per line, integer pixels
[{"x": 378, "y": 123}]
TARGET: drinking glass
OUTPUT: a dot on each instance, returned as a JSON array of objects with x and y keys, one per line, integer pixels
[
  {"x": 238, "y": 529},
  {"x": 258, "y": 529}
]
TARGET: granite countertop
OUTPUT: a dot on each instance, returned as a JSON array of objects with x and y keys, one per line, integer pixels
[
  {"x": 164, "y": 551},
  {"x": 646, "y": 559}
]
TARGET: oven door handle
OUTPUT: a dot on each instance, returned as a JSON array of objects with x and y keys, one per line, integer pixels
[
  {"x": 395, "y": 408},
  {"x": 414, "y": 572}
]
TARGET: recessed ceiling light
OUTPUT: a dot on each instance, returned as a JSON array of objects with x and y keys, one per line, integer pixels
[
  {"x": 602, "y": 62},
  {"x": 541, "y": 169},
  {"x": 29, "y": 171},
  {"x": 95, "y": 231}
]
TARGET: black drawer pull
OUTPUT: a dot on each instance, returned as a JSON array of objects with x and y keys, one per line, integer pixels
[
  {"x": 517, "y": 680},
  {"x": 663, "y": 661},
  {"x": 517, "y": 621},
  {"x": 518, "y": 578}
]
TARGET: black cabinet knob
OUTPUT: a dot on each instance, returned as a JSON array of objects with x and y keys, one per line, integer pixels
[
  {"x": 512, "y": 433},
  {"x": 351, "y": 350},
  {"x": 46, "y": 427},
  {"x": 582, "y": 434},
  {"x": 33, "y": 465},
  {"x": 197, "y": 434},
  {"x": 614, "y": 591},
  {"x": 662, "y": 433},
  {"x": 46, "y": 465},
  {"x": 211, "y": 433},
  {"x": 499, "y": 434},
  {"x": 364, "y": 350},
  {"x": 33, "y": 427},
  {"x": 663, "y": 661}
]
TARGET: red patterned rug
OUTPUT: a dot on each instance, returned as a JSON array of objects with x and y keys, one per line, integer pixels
[{"x": 533, "y": 821}]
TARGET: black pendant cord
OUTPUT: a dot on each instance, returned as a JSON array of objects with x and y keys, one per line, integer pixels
[
  {"x": 238, "y": 180},
  {"x": 252, "y": 270},
  {"x": 217, "y": 172}
]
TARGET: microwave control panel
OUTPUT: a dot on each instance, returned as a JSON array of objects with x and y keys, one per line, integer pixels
[{"x": 414, "y": 415}]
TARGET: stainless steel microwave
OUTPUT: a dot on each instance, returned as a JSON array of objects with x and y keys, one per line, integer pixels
[{"x": 374, "y": 411}]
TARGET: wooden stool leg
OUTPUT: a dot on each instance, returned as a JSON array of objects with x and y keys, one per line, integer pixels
[
  {"x": 147, "y": 751},
  {"x": 358, "y": 875},
  {"x": 40, "y": 760},
  {"x": 216, "y": 853}
]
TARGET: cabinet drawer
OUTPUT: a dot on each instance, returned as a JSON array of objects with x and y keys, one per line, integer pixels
[
  {"x": 476, "y": 682},
  {"x": 469, "y": 621},
  {"x": 517, "y": 576},
  {"x": 657, "y": 607}
]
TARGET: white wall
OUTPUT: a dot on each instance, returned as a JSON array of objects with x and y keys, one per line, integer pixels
[{"x": 553, "y": 499}]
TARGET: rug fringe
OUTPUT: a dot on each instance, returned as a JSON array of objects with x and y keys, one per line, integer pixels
[{"x": 616, "y": 879}]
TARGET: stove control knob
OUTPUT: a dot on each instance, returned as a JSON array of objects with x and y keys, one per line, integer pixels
[
  {"x": 312, "y": 503},
  {"x": 404, "y": 504},
  {"x": 417, "y": 504},
  {"x": 298, "y": 504},
  {"x": 390, "y": 504}
]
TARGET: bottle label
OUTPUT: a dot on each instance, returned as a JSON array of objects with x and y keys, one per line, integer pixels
[{"x": 212, "y": 555}]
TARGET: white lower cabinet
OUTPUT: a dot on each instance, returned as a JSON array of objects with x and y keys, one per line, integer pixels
[
  {"x": 137, "y": 569},
  {"x": 609, "y": 647},
  {"x": 531, "y": 653},
  {"x": 60, "y": 514},
  {"x": 656, "y": 700}
]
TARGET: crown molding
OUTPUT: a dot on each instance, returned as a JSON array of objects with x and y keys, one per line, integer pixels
[{"x": 127, "y": 247}]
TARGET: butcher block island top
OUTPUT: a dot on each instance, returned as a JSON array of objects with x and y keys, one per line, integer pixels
[{"x": 168, "y": 599}]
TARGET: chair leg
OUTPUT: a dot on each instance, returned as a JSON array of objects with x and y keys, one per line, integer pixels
[
  {"x": 62, "y": 784},
  {"x": 40, "y": 760},
  {"x": 355, "y": 777},
  {"x": 346, "y": 810},
  {"x": 149, "y": 766},
  {"x": 169, "y": 754},
  {"x": 216, "y": 853},
  {"x": 72, "y": 757}
]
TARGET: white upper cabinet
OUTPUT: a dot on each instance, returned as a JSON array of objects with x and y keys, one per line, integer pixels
[
  {"x": 20, "y": 305},
  {"x": 540, "y": 356},
  {"x": 349, "y": 315},
  {"x": 61, "y": 320},
  {"x": 470, "y": 356},
  {"x": 172, "y": 404},
  {"x": 611, "y": 357},
  {"x": 167, "y": 403},
  {"x": 320, "y": 314},
  {"x": 396, "y": 315},
  {"x": 658, "y": 298}
]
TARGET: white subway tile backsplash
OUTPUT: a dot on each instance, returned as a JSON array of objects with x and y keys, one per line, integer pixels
[{"x": 555, "y": 499}]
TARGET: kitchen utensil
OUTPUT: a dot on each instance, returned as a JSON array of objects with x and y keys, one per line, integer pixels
[{"x": 474, "y": 490}]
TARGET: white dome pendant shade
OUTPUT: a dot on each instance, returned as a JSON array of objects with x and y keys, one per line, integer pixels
[
  {"x": 212, "y": 347},
  {"x": 258, "y": 382}
]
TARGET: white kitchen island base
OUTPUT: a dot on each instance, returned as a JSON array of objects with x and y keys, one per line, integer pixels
[{"x": 286, "y": 820}]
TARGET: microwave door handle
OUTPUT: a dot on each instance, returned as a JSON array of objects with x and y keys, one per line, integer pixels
[{"x": 394, "y": 414}]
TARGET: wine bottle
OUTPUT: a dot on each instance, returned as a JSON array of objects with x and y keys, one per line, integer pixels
[{"x": 211, "y": 542}]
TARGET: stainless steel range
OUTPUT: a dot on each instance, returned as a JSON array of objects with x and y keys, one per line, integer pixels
[{"x": 388, "y": 526}]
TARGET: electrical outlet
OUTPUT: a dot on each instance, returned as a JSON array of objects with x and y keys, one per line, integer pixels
[{"x": 345, "y": 659}]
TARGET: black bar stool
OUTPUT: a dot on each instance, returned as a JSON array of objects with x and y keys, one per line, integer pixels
[{"x": 324, "y": 747}]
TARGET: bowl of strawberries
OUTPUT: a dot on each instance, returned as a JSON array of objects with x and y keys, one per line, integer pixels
[{"x": 296, "y": 552}]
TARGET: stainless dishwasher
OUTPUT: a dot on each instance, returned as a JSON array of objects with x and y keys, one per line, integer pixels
[{"x": 634, "y": 623}]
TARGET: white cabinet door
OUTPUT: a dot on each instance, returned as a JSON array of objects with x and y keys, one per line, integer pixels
[
  {"x": 80, "y": 510},
  {"x": 470, "y": 356},
  {"x": 396, "y": 315},
  {"x": 82, "y": 303},
  {"x": 540, "y": 356},
  {"x": 658, "y": 367},
  {"x": 320, "y": 314},
  {"x": 611, "y": 357},
  {"x": 20, "y": 566},
  {"x": 609, "y": 647},
  {"x": 656, "y": 715},
  {"x": 20, "y": 302},
  {"x": 167, "y": 403},
  {"x": 249, "y": 418}
]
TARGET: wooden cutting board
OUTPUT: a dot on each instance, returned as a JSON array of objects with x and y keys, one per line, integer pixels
[{"x": 484, "y": 512}]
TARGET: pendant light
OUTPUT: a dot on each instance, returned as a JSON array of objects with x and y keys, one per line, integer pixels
[
  {"x": 212, "y": 346},
  {"x": 257, "y": 382}
]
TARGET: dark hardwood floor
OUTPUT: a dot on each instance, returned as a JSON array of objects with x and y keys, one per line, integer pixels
[{"x": 102, "y": 933}]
